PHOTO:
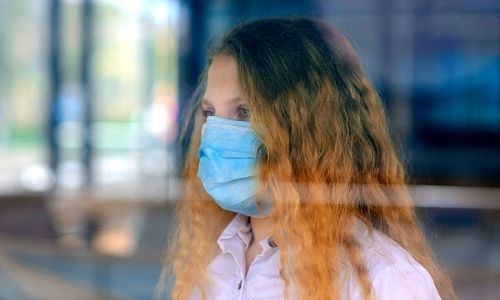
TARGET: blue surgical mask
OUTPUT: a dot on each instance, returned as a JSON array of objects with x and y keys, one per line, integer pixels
[{"x": 227, "y": 168}]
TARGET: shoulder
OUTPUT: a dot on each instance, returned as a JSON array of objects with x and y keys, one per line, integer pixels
[
  {"x": 394, "y": 273},
  {"x": 403, "y": 281}
]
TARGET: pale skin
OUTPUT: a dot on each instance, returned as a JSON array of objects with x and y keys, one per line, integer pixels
[{"x": 223, "y": 98}]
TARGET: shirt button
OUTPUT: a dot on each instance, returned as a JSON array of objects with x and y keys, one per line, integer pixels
[
  {"x": 271, "y": 243},
  {"x": 239, "y": 284}
]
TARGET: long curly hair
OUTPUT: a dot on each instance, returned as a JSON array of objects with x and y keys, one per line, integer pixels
[{"x": 327, "y": 161}]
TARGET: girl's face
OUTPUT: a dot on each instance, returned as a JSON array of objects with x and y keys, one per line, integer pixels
[{"x": 223, "y": 96}]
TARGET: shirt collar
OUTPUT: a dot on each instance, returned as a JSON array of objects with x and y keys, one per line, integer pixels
[{"x": 239, "y": 229}]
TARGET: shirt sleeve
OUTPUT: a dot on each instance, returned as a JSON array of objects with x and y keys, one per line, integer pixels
[{"x": 404, "y": 281}]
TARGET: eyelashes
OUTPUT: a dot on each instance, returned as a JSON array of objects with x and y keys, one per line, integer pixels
[
  {"x": 243, "y": 113},
  {"x": 207, "y": 113}
]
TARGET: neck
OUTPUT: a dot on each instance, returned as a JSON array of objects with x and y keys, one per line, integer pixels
[{"x": 261, "y": 228}]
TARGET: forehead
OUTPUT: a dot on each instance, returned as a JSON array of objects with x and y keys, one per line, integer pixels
[{"x": 222, "y": 79}]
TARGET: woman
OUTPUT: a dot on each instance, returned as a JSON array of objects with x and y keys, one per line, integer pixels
[{"x": 292, "y": 186}]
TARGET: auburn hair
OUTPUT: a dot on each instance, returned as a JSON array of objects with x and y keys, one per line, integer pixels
[{"x": 327, "y": 162}]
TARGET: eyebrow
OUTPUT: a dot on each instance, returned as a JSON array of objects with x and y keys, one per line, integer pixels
[{"x": 232, "y": 100}]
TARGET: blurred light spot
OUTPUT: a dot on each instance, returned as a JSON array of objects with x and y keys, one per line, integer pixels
[{"x": 37, "y": 178}]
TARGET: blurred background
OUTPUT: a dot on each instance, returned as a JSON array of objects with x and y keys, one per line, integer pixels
[{"x": 92, "y": 93}]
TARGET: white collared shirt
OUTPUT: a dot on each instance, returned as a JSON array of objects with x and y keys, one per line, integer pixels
[{"x": 394, "y": 274}]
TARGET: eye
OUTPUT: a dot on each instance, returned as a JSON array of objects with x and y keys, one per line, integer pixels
[
  {"x": 207, "y": 113},
  {"x": 243, "y": 113}
]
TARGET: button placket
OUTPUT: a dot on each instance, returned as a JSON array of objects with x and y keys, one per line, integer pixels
[
  {"x": 241, "y": 283},
  {"x": 268, "y": 245},
  {"x": 241, "y": 289}
]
